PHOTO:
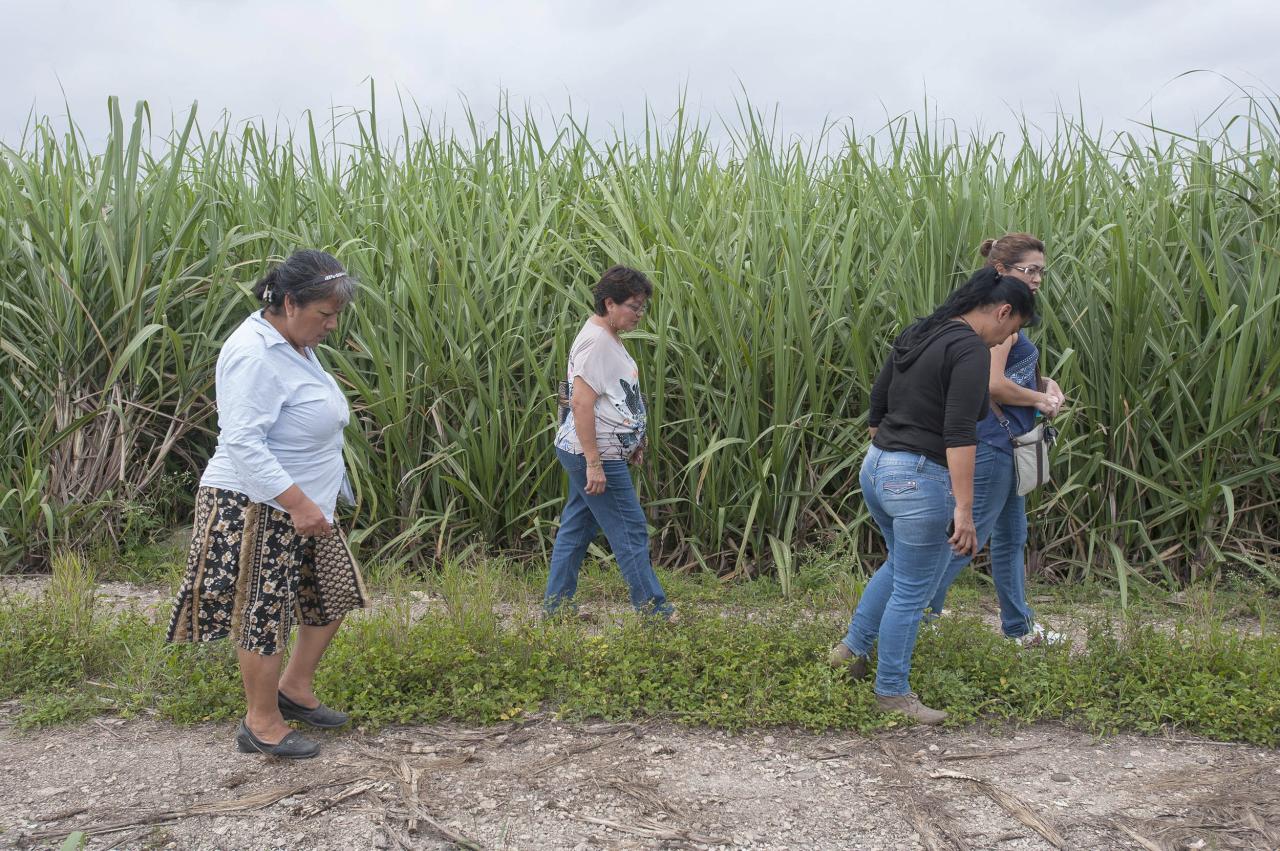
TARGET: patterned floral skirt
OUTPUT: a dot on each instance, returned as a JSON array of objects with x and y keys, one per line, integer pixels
[{"x": 250, "y": 576}]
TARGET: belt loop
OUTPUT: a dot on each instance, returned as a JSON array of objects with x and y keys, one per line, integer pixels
[{"x": 920, "y": 462}]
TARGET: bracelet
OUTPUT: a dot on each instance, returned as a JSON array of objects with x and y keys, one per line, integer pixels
[{"x": 596, "y": 464}]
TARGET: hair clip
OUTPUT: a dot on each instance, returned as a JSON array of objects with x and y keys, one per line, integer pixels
[
  {"x": 267, "y": 295},
  {"x": 334, "y": 275}
]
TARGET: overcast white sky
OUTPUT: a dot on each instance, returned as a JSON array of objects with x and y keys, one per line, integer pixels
[{"x": 976, "y": 61}]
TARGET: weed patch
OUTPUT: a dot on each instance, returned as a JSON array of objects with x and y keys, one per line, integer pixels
[{"x": 717, "y": 667}]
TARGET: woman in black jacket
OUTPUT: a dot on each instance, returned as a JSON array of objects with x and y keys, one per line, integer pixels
[{"x": 917, "y": 478}]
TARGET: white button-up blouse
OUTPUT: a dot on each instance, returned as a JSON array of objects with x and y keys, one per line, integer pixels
[{"x": 280, "y": 420}]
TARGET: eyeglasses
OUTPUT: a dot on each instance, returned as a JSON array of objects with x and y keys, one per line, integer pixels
[
  {"x": 637, "y": 310},
  {"x": 1032, "y": 271}
]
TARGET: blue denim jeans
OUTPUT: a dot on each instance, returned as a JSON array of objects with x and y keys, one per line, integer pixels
[
  {"x": 617, "y": 511},
  {"x": 999, "y": 514},
  {"x": 910, "y": 499}
]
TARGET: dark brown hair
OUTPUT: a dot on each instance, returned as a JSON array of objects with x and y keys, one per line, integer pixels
[
  {"x": 306, "y": 276},
  {"x": 1010, "y": 248},
  {"x": 620, "y": 283},
  {"x": 986, "y": 288}
]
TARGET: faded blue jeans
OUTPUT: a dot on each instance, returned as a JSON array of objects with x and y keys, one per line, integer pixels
[
  {"x": 617, "y": 511},
  {"x": 910, "y": 499},
  {"x": 1001, "y": 515}
]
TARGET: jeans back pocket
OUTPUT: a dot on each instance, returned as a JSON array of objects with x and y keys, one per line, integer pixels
[{"x": 898, "y": 487}]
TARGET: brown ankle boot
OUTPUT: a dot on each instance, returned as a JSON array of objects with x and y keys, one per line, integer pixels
[
  {"x": 842, "y": 657},
  {"x": 909, "y": 705}
]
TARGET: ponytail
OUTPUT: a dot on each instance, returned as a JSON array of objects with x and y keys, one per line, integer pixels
[{"x": 268, "y": 289}]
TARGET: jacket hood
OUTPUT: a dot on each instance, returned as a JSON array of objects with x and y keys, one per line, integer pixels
[{"x": 912, "y": 342}]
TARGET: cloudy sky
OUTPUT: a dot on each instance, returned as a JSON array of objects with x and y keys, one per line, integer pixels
[{"x": 976, "y": 62}]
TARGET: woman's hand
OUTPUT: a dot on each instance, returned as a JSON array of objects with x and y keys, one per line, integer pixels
[
  {"x": 596, "y": 481},
  {"x": 1054, "y": 392},
  {"x": 306, "y": 516},
  {"x": 1049, "y": 404},
  {"x": 310, "y": 520},
  {"x": 964, "y": 535},
  {"x": 1052, "y": 398}
]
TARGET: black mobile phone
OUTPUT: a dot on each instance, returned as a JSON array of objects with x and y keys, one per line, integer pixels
[{"x": 951, "y": 527}]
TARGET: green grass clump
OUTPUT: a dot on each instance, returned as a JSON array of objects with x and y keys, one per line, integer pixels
[
  {"x": 734, "y": 667},
  {"x": 56, "y": 650}
]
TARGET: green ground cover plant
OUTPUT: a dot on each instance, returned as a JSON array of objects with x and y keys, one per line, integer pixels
[
  {"x": 743, "y": 658},
  {"x": 782, "y": 268}
]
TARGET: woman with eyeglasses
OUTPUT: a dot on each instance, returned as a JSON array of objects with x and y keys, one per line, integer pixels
[
  {"x": 603, "y": 430},
  {"x": 1021, "y": 393},
  {"x": 918, "y": 476}
]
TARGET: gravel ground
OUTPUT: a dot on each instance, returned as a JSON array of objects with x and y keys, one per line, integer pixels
[{"x": 147, "y": 784}]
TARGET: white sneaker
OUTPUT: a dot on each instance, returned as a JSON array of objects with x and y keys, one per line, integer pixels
[{"x": 1039, "y": 636}]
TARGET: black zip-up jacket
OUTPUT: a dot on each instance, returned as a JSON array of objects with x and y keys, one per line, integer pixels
[{"x": 931, "y": 391}]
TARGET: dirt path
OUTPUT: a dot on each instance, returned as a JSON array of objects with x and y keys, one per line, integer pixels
[{"x": 551, "y": 785}]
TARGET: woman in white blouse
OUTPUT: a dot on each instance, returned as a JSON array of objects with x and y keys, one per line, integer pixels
[
  {"x": 265, "y": 548},
  {"x": 604, "y": 428}
]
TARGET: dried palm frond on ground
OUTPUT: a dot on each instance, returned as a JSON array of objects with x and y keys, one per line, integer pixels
[
  {"x": 418, "y": 814},
  {"x": 647, "y": 797},
  {"x": 256, "y": 801},
  {"x": 1141, "y": 840},
  {"x": 452, "y": 735},
  {"x": 1012, "y": 804},
  {"x": 929, "y": 815},
  {"x": 983, "y": 753},
  {"x": 575, "y": 750},
  {"x": 651, "y": 829},
  {"x": 317, "y": 807},
  {"x": 1241, "y": 810}
]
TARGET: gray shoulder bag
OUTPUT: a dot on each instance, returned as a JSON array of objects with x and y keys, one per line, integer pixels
[{"x": 1030, "y": 452}]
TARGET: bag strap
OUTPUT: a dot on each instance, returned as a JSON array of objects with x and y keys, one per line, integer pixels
[{"x": 1000, "y": 417}]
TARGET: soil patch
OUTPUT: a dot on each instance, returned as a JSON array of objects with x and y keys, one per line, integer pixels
[{"x": 545, "y": 784}]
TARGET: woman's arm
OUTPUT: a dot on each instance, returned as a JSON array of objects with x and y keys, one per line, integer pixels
[
  {"x": 960, "y": 463},
  {"x": 582, "y": 405},
  {"x": 1006, "y": 392},
  {"x": 249, "y": 403},
  {"x": 966, "y": 392}
]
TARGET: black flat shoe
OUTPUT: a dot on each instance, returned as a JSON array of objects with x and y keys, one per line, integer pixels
[
  {"x": 322, "y": 716},
  {"x": 293, "y": 746}
]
